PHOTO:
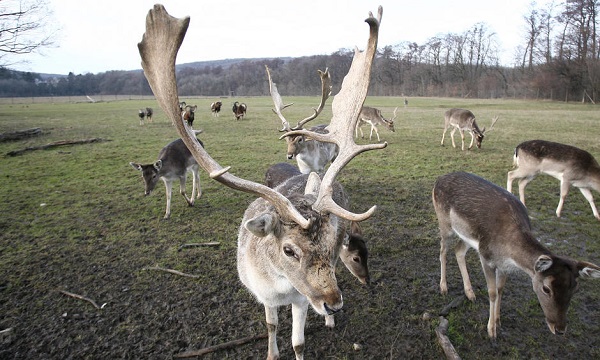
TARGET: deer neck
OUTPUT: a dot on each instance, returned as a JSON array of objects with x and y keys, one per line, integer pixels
[{"x": 525, "y": 255}]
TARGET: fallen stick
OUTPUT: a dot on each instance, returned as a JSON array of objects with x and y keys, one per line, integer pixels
[
  {"x": 214, "y": 243},
  {"x": 443, "y": 340},
  {"x": 55, "y": 144},
  {"x": 171, "y": 271},
  {"x": 20, "y": 134},
  {"x": 223, "y": 346},
  {"x": 82, "y": 298}
]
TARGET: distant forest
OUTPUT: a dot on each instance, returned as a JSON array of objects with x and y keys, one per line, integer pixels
[{"x": 559, "y": 59}]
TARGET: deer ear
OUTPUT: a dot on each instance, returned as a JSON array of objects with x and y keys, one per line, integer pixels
[
  {"x": 588, "y": 270},
  {"x": 543, "y": 263},
  {"x": 136, "y": 166},
  {"x": 262, "y": 225},
  {"x": 312, "y": 184},
  {"x": 158, "y": 165}
]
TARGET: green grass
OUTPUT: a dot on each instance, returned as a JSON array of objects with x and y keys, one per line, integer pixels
[{"x": 75, "y": 218}]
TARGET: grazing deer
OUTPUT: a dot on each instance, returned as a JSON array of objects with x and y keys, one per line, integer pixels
[
  {"x": 373, "y": 117},
  {"x": 495, "y": 223},
  {"x": 288, "y": 243},
  {"x": 570, "y": 165},
  {"x": 174, "y": 162},
  {"x": 354, "y": 253},
  {"x": 311, "y": 155},
  {"x": 461, "y": 120}
]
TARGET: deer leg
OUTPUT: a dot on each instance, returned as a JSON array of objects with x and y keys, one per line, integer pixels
[
  {"x": 490, "y": 278},
  {"x": 452, "y": 137},
  {"x": 564, "y": 191},
  {"x": 461, "y": 251},
  {"x": 298, "y": 321},
  {"x": 462, "y": 139},
  {"x": 329, "y": 321},
  {"x": 168, "y": 189},
  {"x": 587, "y": 193},
  {"x": 443, "y": 252},
  {"x": 190, "y": 201},
  {"x": 272, "y": 321},
  {"x": 522, "y": 184},
  {"x": 196, "y": 184},
  {"x": 377, "y": 132},
  {"x": 500, "y": 281},
  {"x": 443, "y": 135},
  {"x": 472, "y": 139}
]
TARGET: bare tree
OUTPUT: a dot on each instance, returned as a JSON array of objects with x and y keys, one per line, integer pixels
[{"x": 25, "y": 28}]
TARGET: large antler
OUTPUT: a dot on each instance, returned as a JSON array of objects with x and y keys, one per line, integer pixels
[
  {"x": 158, "y": 49},
  {"x": 278, "y": 102},
  {"x": 346, "y": 106}
]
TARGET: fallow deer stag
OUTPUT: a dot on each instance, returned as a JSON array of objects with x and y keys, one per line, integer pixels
[
  {"x": 503, "y": 238},
  {"x": 570, "y": 165},
  {"x": 464, "y": 120},
  {"x": 311, "y": 155},
  {"x": 371, "y": 116},
  {"x": 288, "y": 244}
]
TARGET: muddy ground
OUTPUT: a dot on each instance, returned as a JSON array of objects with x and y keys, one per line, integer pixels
[{"x": 151, "y": 314}]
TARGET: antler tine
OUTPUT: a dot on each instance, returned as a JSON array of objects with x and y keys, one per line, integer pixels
[
  {"x": 278, "y": 102},
  {"x": 158, "y": 49},
  {"x": 395, "y": 115},
  {"x": 346, "y": 107},
  {"x": 325, "y": 93},
  {"x": 493, "y": 123}
]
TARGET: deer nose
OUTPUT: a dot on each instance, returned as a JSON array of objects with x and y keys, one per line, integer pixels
[
  {"x": 330, "y": 310},
  {"x": 290, "y": 156}
]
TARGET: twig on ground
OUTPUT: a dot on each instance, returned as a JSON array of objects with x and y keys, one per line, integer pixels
[
  {"x": 55, "y": 144},
  {"x": 171, "y": 271},
  {"x": 214, "y": 243},
  {"x": 453, "y": 304},
  {"x": 20, "y": 134},
  {"x": 80, "y": 297},
  {"x": 223, "y": 346},
  {"x": 443, "y": 340}
]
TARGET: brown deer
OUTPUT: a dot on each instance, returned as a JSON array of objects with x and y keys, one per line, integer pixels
[
  {"x": 570, "y": 165},
  {"x": 464, "y": 120},
  {"x": 502, "y": 236},
  {"x": 288, "y": 243},
  {"x": 174, "y": 162},
  {"x": 311, "y": 155},
  {"x": 371, "y": 116}
]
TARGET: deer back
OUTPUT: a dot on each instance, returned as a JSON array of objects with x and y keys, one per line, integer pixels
[{"x": 557, "y": 159}]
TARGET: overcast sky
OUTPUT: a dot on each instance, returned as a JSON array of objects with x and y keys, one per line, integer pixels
[{"x": 98, "y": 36}]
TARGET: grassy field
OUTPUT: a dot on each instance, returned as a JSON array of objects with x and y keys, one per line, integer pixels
[{"x": 76, "y": 219}]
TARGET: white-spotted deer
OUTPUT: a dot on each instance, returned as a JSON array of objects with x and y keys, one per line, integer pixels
[
  {"x": 374, "y": 118},
  {"x": 311, "y": 155},
  {"x": 354, "y": 253},
  {"x": 492, "y": 221},
  {"x": 174, "y": 162},
  {"x": 570, "y": 165},
  {"x": 464, "y": 120},
  {"x": 288, "y": 243}
]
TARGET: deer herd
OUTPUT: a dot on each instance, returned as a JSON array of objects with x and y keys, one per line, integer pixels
[{"x": 302, "y": 221}]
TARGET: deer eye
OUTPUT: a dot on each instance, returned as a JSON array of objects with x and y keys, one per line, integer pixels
[
  {"x": 546, "y": 290},
  {"x": 288, "y": 251},
  {"x": 356, "y": 259}
]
